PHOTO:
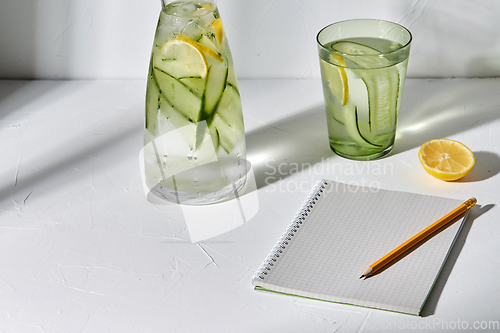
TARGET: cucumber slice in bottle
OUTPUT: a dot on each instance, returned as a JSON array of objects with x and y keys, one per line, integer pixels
[
  {"x": 229, "y": 136},
  {"x": 211, "y": 44},
  {"x": 226, "y": 128},
  {"x": 214, "y": 135},
  {"x": 175, "y": 118},
  {"x": 178, "y": 95},
  {"x": 231, "y": 75},
  {"x": 169, "y": 119},
  {"x": 229, "y": 108},
  {"x": 152, "y": 105},
  {"x": 195, "y": 83},
  {"x": 216, "y": 81}
]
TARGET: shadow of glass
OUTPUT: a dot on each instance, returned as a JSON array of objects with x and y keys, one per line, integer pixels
[
  {"x": 170, "y": 191},
  {"x": 288, "y": 146},
  {"x": 434, "y": 109},
  {"x": 204, "y": 222}
]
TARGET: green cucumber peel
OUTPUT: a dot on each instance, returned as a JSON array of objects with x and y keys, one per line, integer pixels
[
  {"x": 356, "y": 117},
  {"x": 214, "y": 88},
  {"x": 189, "y": 105}
]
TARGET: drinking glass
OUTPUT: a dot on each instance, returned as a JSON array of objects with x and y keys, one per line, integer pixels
[
  {"x": 363, "y": 69},
  {"x": 194, "y": 138}
]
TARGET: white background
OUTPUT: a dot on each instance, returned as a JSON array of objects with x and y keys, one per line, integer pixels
[
  {"x": 81, "y": 248},
  {"x": 94, "y": 39}
]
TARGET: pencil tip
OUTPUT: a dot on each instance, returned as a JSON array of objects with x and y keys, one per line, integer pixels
[{"x": 362, "y": 276}]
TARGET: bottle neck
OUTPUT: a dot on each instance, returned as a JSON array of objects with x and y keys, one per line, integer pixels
[{"x": 164, "y": 3}]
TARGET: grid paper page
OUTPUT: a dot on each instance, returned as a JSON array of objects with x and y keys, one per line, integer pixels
[{"x": 351, "y": 227}]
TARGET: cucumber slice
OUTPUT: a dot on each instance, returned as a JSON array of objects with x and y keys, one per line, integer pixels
[
  {"x": 214, "y": 135},
  {"x": 229, "y": 119},
  {"x": 336, "y": 112},
  {"x": 229, "y": 108},
  {"x": 211, "y": 44},
  {"x": 152, "y": 104},
  {"x": 383, "y": 90},
  {"x": 174, "y": 117},
  {"x": 354, "y": 127},
  {"x": 169, "y": 119},
  {"x": 229, "y": 136},
  {"x": 195, "y": 83},
  {"x": 231, "y": 75},
  {"x": 382, "y": 84},
  {"x": 178, "y": 95},
  {"x": 359, "y": 132},
  {"x": 354, "y": 48},
  {"x": 216, "y": 82}
]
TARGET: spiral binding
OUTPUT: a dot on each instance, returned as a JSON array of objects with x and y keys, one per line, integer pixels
[{"x": 292, "y": 228}]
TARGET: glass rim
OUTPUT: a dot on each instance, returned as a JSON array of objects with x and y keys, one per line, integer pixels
[
  {"x": 407, "y": 44},
  {"x": 165, "y": 3}
]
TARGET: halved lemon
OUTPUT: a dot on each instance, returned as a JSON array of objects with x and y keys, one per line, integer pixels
[
  {"x": 446, "y": 159},
  {"x": 182, "y": 57}
]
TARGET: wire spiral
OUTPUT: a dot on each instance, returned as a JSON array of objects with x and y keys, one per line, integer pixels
[{"x": 291, "y": 230}]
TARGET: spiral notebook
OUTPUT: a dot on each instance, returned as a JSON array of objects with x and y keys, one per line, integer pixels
[{"x": 341, "y": 229}]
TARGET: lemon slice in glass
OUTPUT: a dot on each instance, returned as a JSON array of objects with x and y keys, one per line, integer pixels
[
  {"x": 337, "y": 79},
  {"x": 182, "y": 57},
  {"x": 446, "y": 159}
]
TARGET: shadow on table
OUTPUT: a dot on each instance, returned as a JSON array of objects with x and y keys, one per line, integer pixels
[
  {"x": 71, "y": 153},
  {"x": 487, "y": 165},
  {"x": 16, "y": 95},
  {"x": 439, "y": 109},
  {"x": 433, "y": 299},
  {"x": 288, "y": 146}
]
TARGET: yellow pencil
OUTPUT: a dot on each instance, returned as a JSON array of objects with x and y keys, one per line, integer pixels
[{"x": 394, "y": 254}]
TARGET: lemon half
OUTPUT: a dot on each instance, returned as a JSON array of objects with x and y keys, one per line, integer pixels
[{"x": 446, "y": 159}]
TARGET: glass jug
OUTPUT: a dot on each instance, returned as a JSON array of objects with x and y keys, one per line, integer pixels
[{"x": 194, "y": 138}]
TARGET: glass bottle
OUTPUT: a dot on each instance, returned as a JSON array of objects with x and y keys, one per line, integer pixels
[{"x": 194, "y": 138}]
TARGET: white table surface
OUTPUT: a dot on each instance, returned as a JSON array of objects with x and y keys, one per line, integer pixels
[{"x": 83, "y": 250}]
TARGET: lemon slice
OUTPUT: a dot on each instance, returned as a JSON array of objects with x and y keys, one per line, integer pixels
[
  {"x": 218, "y": 30},
  {"x": 446, "y": 159},
  {"x": 201, "y": 47},
  {"x": 208, "y": 6},
  {"x": 338, "y": 80},
  {"x": 182, "y": 57}
]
